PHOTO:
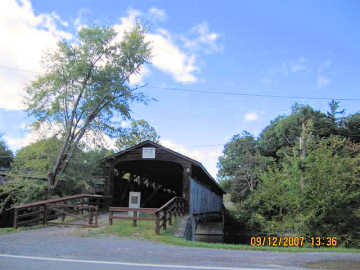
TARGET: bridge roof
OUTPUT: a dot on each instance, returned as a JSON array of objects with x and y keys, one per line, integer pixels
[{"x": 200, "y": 169}]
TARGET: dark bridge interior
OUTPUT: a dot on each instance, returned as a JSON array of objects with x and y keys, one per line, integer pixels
[
  {"x": 160, "y": 174},
  {"x": 157, "y": 180}
]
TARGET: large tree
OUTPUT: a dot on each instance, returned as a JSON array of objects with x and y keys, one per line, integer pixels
[
  {"x": 285, "y": 131},
  {"x": 240, "y": 166},
  {"x": 86, "y": 82},
  {"x": 139, "y": 130}
]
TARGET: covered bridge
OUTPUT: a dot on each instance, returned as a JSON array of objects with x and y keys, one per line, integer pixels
[{"x": 160, "y": 174}]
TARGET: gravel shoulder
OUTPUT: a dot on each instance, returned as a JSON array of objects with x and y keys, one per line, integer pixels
[{"x": 62, "y": 242}]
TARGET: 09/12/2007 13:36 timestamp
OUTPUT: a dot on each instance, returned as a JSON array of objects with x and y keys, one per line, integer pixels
[{"x": 292, "y": 241}]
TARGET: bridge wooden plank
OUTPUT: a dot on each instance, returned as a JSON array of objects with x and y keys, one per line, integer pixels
[
  {"x": 39, "y": 203},
  {"x": 126, "y": 209},
  {"x": 138, "y": 218}
]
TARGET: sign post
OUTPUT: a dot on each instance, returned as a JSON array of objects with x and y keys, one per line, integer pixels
[{"x": 134, "y": 201}]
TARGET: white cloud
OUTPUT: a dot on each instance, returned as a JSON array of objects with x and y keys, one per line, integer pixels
[
  {"x": 125, "y": 124},
  {"x": 27, "y": 36},
  {"x": 81, "y": 18},
  {"x": 158, "y": 14},
  {"x": 91, "y": 139},
  {"x": 251, "y": 116},
  {"x": 207, "y": 156},
  {"x": 322, "y": 81},
  {"x": 298, "y": 65},
  {"x": 324, "y": 65},
  {"x": 203, "y": 39},
  {"x": 166, "y": 55},
  {"x": 45, "y": 131},
  {"x": 169, "y": 58},
  {"x": 127, "y": 23},
  {"x": 137, "y": 78}
]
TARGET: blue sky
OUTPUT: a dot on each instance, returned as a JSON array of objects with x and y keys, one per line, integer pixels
[{"x": 279, "y": 48}]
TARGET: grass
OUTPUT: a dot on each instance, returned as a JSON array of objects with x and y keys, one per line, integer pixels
[
  {"x": 8, "y": 230},
  {"x": 145, "y": 230},
  {"x": 339, "y": 265}
]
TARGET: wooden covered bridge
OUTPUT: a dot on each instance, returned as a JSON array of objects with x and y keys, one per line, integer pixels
[
  {"x": 160, "y": 174},
  {"x": 146, "y": 178}
]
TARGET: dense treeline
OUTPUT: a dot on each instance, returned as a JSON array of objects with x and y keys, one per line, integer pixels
[
  {"x": 29, "y": 168},
  {"x": 31, "y": 165},
  {"x": 301, "y": 175}
]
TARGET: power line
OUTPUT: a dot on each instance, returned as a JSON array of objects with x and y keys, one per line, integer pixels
[{"x": 220, "y": 92}]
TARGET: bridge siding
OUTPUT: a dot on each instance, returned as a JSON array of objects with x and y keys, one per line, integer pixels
[{"x": 202, "y": 199}]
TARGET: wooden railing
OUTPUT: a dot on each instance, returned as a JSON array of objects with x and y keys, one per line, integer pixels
[
  {"x": 134, "y": 217},
  {"x": 73, "y": 206},
  {"x": 177, "y": 206}
]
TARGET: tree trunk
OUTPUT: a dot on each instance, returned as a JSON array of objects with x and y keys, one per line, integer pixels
[{"x": 302, "y": 153}]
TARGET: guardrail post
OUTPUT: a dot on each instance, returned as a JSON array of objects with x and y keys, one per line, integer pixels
[
  {"x": 15, "y": 218},
  {"x": 170, "y": 218}
]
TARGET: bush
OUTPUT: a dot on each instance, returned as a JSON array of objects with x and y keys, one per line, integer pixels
[{"x": 329, "y": 203}]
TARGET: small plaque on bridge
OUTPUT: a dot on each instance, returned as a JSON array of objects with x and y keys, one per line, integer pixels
[{"x": 148, "y": 152}]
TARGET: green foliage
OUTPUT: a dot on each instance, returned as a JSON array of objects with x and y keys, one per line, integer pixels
[
  {"x": 81, "y": 174},
  {"x": 6, "y": 155},
  {"x": 350, "y": 127},
  {"x": 328, "y": 205},
  {"x": 240, "y": 165},
  {"x": 139, "y": 131},
  {"x": 36, "y": 159},
  {"x": 86, "y": 82},
  {"x": 284, "y": 132},
  {"x": 310, "y": 183},
  {"x": 20, "y": 191}
]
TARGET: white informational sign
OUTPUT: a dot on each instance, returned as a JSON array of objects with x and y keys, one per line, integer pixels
[
  {"x": 134, "y": 201},
  {"x": 148, "y": 152}
]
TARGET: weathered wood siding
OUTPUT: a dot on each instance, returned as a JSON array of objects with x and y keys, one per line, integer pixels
[{"x": 202, "y": 199}]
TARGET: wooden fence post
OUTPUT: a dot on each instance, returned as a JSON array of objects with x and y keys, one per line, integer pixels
[
  {"x": 134, "y": 218},
  {"x": 157, "y": 223},
  {"x": 170, "y": 218},
  {"x": 82, "y": 203},
  {"x": 90, "y": 215},
  {"x": 111, "y": 217},
  {"x": 165, "y": 219},
  {"x": 45, "y": 214},
  {"x": 96, "y": 216},
  {"x": 15, "y": 218}
]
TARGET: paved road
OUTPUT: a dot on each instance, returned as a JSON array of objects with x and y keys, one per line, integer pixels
[{"x": 58, "y": 248}]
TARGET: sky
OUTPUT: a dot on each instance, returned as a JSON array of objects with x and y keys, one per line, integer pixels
[{"x": 218, "y": 67}]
